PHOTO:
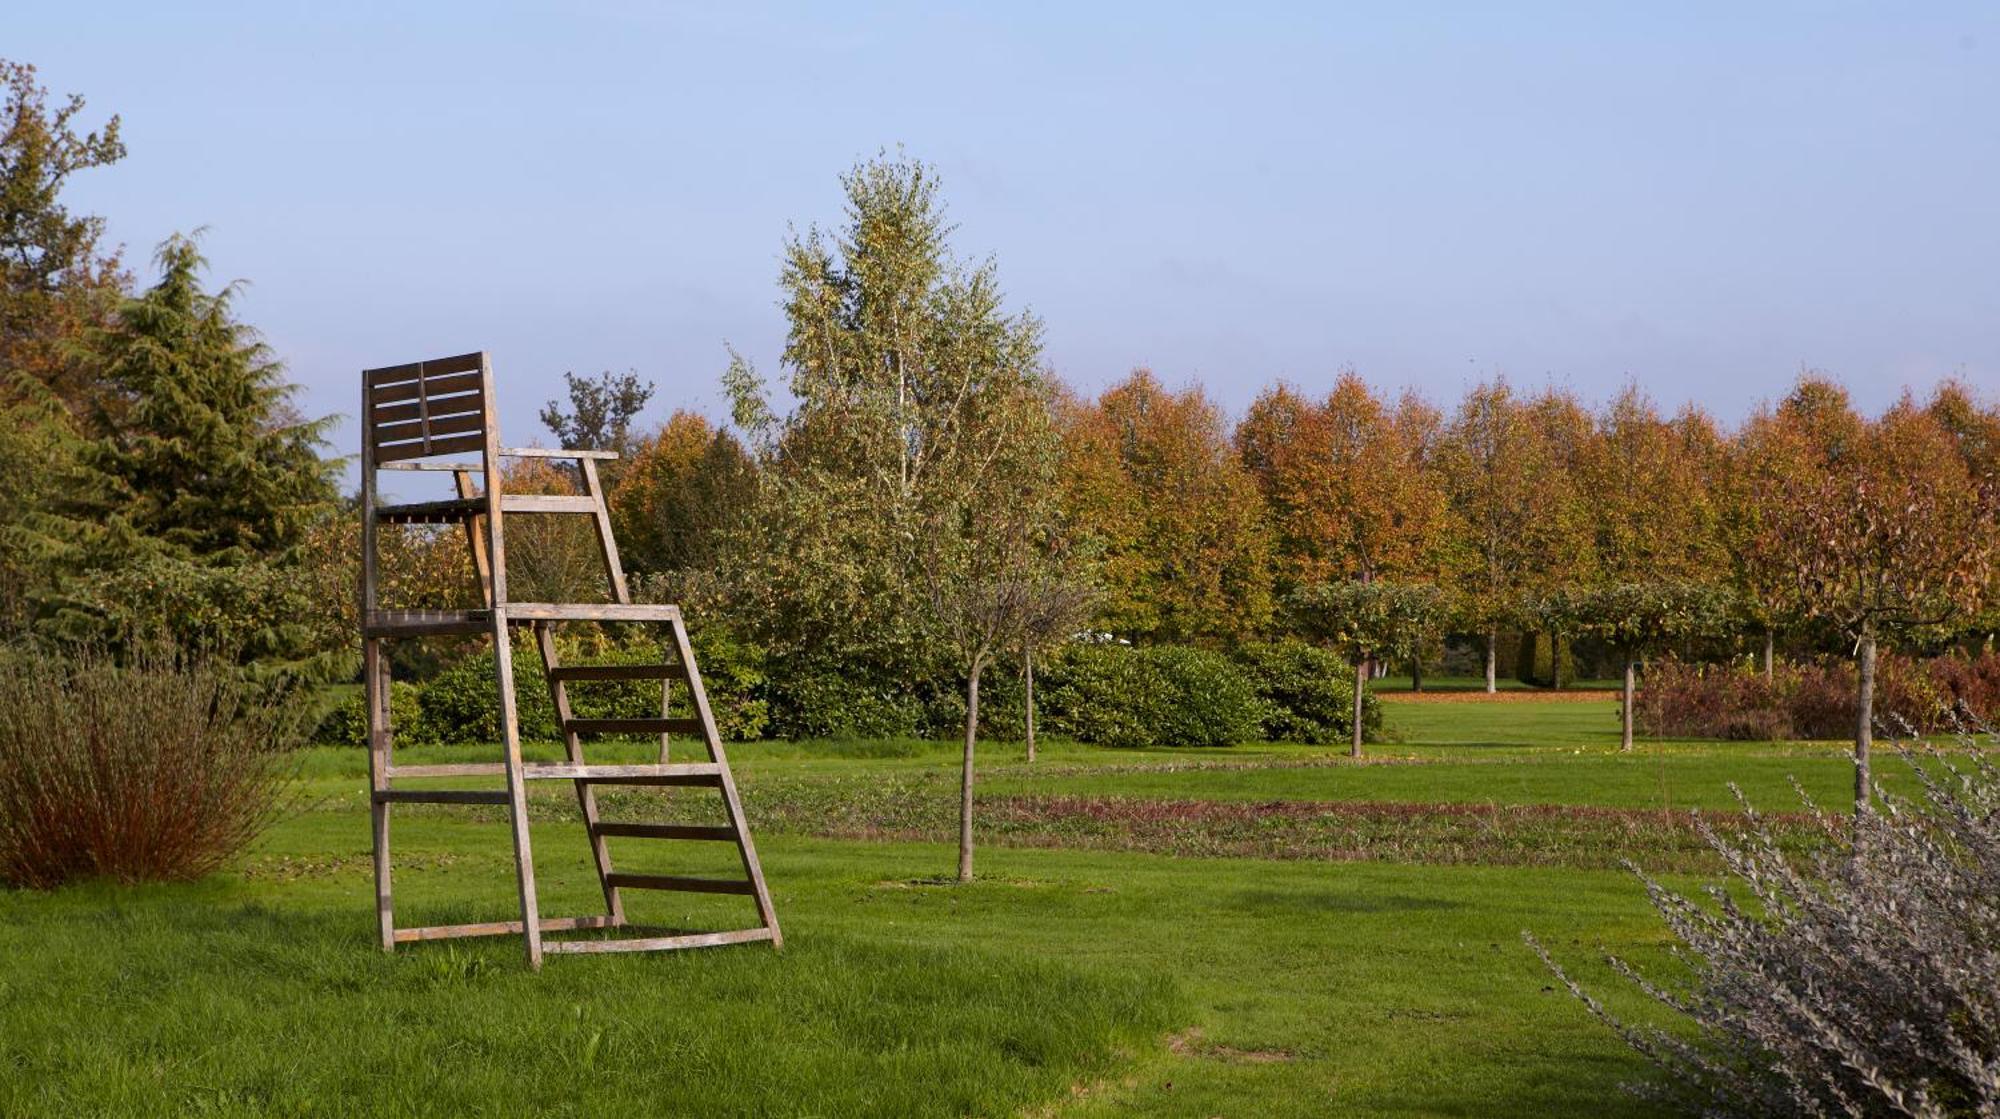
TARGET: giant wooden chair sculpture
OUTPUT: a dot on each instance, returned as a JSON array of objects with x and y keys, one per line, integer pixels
[{"x": 413, "y": 415}]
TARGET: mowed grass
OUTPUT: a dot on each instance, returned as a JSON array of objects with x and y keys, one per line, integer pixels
[{"x": 1067, "y": 981}]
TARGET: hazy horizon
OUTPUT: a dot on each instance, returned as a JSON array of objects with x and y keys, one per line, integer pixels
[{"x": 1705, "y": 201}]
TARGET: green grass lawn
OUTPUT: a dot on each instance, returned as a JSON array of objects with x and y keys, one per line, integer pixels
[{"x": 1097, "y": 968}]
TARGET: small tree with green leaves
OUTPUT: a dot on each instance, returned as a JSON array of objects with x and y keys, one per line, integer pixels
[
  {"x": 1637, "y": 618},
  {"x": 1370, "y": 621}
]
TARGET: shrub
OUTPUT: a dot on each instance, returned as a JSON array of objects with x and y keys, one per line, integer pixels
[
  {"x": 818, "y": 700},
  {"x": 1860, "y": 979},
  {"x": 1308, "y": 693},
  {"x": 346, "y": 722},
  {"x": 1813, "y": 700},
  {"x": 159, "y": 769},
  {"x": 1162, "y": 695}
]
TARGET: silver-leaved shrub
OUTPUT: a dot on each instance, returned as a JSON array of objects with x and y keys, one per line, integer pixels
[{"x": 1861, "y": 978}]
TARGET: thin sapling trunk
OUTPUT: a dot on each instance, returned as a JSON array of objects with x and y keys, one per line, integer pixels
[
  {"x": 1492, "y": 661},
  {"x": 1770, "y": 651},
  {"x": 965, "y": 772},
  {"x": 1360, "y": 689},
  {"x": 1864, "y": 721},
  {"x": 1631, "y": 677},
  {"x": 1028, "y": 677}
]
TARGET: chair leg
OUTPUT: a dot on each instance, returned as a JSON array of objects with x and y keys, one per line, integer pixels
[
  {"x": 517, "y": 798},
  {"x": 375, "y": 674}
]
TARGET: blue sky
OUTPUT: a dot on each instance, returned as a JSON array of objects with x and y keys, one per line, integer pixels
[{"x": 1702, "y": 197}]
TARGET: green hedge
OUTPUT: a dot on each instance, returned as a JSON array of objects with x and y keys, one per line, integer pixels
[
  {"x": 1308, "y": 693},
  {"x": 1165, "y": 695}
]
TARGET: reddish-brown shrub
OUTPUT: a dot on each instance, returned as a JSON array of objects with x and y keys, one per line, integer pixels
[
  {"x": 1813, "y": 700},
  {"x": 163, "y": 768}
]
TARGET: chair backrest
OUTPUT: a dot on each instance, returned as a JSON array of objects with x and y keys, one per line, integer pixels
[{"x": 428, "y": 408}]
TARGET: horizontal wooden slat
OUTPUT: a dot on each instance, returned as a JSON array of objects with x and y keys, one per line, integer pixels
[
  {"x": 634, "y": 726},
  {"x": 659, "y": 943},
  {"x": 545, "y": 503},
  {"x": 449, "y": 445},
  {"x": 499, "y": 928},
  {"x": 469, "y": 404},
  {"x": 451, "y": 467},
  {"x": 432, "y": 387},
  {"x": 431, "y": 512},
  {"x": 553, "y": 452},
  {"x": 459, "y": 769},
  {"x": 556, "y": 770},
  {"x": 385, "y": 434},
  {"x": 679, "y": 883},
  {"x": 569, "y": 672},
  {"x": 457, "y": 363},
  {"x": 425, "y": 623},
  {"x": 591, "y": 612},
  {"x": 667, "y": 831},
  {"x": 443, "y": 796}
]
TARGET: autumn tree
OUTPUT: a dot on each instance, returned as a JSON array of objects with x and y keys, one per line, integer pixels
[
  {"x": 1876, "y": 527},
  {"x": 56, "y": 281},
  {"x": 682, "y": 493},
  {"x": 1505, "y": 488},
  {"x": 1152, "y": 484}
]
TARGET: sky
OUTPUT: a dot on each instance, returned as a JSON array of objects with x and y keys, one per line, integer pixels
[{"x": 1702, "y": 198}]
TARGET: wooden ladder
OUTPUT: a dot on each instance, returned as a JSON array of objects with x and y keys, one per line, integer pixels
[{"x": 414, "y": 414}]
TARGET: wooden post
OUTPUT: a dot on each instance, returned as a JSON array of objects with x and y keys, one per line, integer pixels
[
  {"x": 731, "y": 803},
  {"x": 376, "y": 682}
]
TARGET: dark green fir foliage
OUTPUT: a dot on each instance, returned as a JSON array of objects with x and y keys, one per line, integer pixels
[{"x": 198, "y": 480}]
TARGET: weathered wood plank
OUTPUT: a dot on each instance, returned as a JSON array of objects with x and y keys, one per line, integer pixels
[
  {"x": 500, "y": 928},
  {"x": 547, "y": 771},
  {"x": 409, "y": 371},
  {"x": 618, "y": 672},
  {"x": 681, "y": 884},
  {"x": 435, "y": 426},
  {"x": 449, "y": 445},
  {"x": 592, "y": 612},
  {"x": 546, "y": 503},
  {"x": 442, "y": 796},
  {"x": 635, "y": 726},
  {"x": 554, "y": 452},
  {"x": 621, "y": 828},
  {"x": 431, "y": 388},
  {"x": 660, "y": 943}
]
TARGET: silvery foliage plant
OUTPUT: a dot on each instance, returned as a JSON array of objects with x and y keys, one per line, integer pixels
[{"x": 1859, "y": 978}]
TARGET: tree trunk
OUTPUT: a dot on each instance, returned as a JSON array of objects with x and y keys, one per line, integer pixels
[
  {"x": 1770, "y": 651},
  {"x": 1028, "y": 676},
  {"x": 1360, "y": 690},
  {"x": 1631, "y": 680},
  {"x": 1864, "y": 722},
  {"x": 1555, "y": 662},
  {"x": 1492, "y": 661},
  {"x": 1417, "y": 673},
  {"x": 965, "y": 773}
]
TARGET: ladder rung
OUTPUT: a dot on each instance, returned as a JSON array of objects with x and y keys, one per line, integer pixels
[
  {"x": 519, "y": 612},
  {"x": 500, "y": 928},
  {"x": 676, "y": 882},
  {"x": 461, "y": 769},
  {"x": 444, "y": 796},
  {"x": 657, "y": 943},
  {"x": 616, "y": 671},
  {"x": 696, "y": 773},
  {"x": 431, "y": 512},
  {"x": 546, "y": 503},
  {"x": 667, "y": 831},
  {"x": 391, "y": 623},
  {"x": 634, "y": 726}
]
